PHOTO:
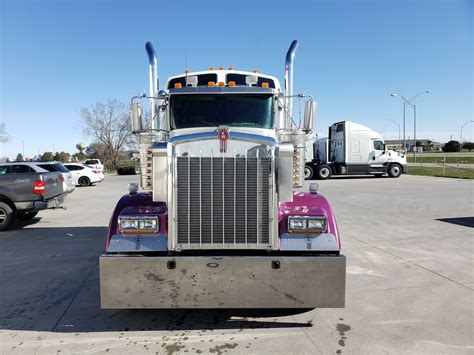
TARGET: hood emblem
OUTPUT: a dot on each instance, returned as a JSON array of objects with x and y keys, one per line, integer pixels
[{"x": 223, "y": 136}]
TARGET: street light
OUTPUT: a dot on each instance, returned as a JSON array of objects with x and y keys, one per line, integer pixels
[
  {"x": 460, "y": 138},
  {"x": 399, "y": 138},
  {"x": 410, "y": 103}
]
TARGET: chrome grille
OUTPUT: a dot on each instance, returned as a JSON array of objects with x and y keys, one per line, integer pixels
[{"x": 223, "y": 202}]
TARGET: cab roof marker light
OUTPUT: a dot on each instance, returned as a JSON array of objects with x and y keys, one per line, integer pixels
[
  {"x": 211, "y": 83},
  {"x": 221, "y": 83},
  {"x": 230, "y": 68},
  {"x": 212, "y": 68},
  {"x": 221, "y": 68}
]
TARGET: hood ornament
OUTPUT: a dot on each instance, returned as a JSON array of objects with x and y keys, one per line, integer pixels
[{"x": 223, "y": 136}]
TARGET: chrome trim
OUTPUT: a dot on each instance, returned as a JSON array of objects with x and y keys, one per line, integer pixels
[
  {"x": 233, "y": 135},
  {"x": 223, "y": 90}
]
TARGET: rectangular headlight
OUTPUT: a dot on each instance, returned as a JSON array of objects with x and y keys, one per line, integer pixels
[
  {"x": 138, "y": 224},
  {"x": 307, "y": 224}
]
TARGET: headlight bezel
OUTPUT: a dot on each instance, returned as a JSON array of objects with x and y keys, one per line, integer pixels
[
  {"x": 305, "y": 223},
  {"x": 139, "y": 224}
]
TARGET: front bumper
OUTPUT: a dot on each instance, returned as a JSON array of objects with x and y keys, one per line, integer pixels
[{"x": 222, "y": 281}]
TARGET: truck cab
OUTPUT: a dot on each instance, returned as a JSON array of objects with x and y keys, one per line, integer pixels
[{"x": 352, "y": 149}]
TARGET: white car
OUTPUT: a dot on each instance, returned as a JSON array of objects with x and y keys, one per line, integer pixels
[
  {"x": 83, "y": 175},
  {"x": 68, "y": 184},
  {"x": 94, "y": 164}
]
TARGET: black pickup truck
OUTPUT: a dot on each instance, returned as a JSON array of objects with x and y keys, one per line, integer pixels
[{"x": 25, "y": 189}]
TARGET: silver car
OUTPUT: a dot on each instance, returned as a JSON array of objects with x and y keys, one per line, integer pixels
[{"x": 68, "y": 183}]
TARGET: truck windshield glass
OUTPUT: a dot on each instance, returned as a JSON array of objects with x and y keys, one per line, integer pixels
[{"x": 234, "y": 110}]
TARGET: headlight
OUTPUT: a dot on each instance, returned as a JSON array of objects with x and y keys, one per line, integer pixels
[
  {"x": 138, "y": 224},
  {"x": 307, "y": 224}
]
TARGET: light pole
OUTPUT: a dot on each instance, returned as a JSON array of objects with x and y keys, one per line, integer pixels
[
  {"x": 410, "y": 103},
  {"x": 460, "y": 138},
  {"x": 399, "y": 138}
]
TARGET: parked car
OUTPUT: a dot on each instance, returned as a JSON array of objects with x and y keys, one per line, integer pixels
[
  {"x": 83, "y": 175},
  {"x": 25, "y": 189},
  {"x": 69, "y": 185},
  {"x": 95, "y": 164}
]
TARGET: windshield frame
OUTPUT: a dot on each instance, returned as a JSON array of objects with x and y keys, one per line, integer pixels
[{"x": 248, "y": 91}]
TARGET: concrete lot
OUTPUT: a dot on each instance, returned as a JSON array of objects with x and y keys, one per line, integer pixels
[{"x": 410, "y": 281}]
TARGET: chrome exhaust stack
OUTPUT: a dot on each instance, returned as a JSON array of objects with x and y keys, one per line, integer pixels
[
  {"x": 290, "y": 57},
  {"x": 153, "y": 79}
]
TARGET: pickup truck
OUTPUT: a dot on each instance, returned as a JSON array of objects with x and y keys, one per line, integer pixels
[{"x": 25, "y": 189}]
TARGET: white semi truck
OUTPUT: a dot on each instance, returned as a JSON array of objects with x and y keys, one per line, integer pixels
[{"x": 351, "y": 149}]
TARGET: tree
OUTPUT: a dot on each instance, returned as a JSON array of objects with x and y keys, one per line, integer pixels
[
  {"x": 19, "y": 157},
  {"x": 468, "y": 145},
  {"x": 63, "y": 157},
  {"x": 47, "y": 156},
  {"x": 109, "y": 124},
  {"x": 452, "y": 146},
  {"x": 418, "y": 144}
]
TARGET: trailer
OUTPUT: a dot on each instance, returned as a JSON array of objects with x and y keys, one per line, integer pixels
[
  {"x": 351, "y": 149},
  {"x": 219, "y": 219}
]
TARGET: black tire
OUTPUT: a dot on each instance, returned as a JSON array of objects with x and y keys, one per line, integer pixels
[
  {"x": 308, "y": 172},
  {"x": 26, "y": 216},
  {"x": 84, "y": 181},
  {"x": 394, "y": 170},
  {"x": 323, "y": 172},
  {"x": 7, "y": 216}
]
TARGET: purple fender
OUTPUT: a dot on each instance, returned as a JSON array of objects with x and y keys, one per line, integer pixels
[
  {"x": 308, "y": 204},
  {"x": 137, "y": 204}
]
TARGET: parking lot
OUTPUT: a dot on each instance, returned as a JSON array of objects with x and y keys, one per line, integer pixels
[{"x": 409, "y": 244}]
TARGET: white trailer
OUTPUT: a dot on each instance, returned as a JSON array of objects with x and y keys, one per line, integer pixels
[{"x": 351, "y": 149}]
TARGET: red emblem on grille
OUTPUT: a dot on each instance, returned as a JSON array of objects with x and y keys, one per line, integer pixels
[{"x": 223, "y": 136}]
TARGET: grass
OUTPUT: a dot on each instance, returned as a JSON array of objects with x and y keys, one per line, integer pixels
[
  {"x": 449, "y": 160},
  {"x": 448, "y": 172}
]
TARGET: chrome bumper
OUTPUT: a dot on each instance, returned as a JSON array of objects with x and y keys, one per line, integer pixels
[{"x": 222, "y": 282}]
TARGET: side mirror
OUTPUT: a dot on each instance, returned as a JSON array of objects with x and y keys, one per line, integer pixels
[
  {"x": 309, "y": 115},
  {"x": 136, "y": 117}
]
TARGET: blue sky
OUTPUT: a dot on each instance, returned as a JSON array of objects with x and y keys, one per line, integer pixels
[{"x": 59, "y": 56}]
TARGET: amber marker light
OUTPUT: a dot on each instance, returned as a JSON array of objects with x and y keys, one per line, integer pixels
[
  {"x": 265, "y": 85},
  {"x": 255, "y": 71},
  {"x": 221, "y": 83},
  {"x": 186, "y": 71},
  {"x": 212, "y": 68},
  {"x": 230, "y": 68},
  {"x": 177, "y": 85},
  {"x": 231, "y": 83},
  {"x": 221, "y": 68},
  {"x": 211, "y": 83}
]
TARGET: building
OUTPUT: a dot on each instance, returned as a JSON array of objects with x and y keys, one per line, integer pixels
[{"x": 427, "y": 144}]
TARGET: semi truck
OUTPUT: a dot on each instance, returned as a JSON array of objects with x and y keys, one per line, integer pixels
[
  {"x": 222, "y": 218},
  {"x": 351, "y": 149}
]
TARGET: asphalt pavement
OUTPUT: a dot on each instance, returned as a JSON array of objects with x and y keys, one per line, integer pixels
[{"x": 409, "y": 244}]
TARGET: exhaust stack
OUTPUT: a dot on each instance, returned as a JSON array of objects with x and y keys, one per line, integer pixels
[
  {"x": 290, "y": 56},
  {"x": 153, "y": 78}
]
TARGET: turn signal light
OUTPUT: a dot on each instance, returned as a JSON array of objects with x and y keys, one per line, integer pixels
[{"x": 38, "y": 187}]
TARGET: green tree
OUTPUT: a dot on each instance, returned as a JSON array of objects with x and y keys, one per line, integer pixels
[
  {"x": 468, "y": 145},
  {"x": 19, "y": 157},
  {"x": 47, "y": 156},
  {"x": 452, "y": 146},
  {"x": 63, "y": 157}
]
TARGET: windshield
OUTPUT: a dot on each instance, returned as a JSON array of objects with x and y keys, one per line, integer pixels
[{"x": 233, "y": 110}]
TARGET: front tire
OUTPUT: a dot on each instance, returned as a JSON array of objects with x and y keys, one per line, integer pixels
[
  {"x": 394, "y": 170},
  {"x": 84, "y": 181},
  {"x": 323, "y": 172},
  {"x": 7, "y": 216},
  {"x": 308, "y": 172}
]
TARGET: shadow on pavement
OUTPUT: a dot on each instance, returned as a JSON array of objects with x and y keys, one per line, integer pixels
[
  {"x": 50, "y": 282},
  {"x": 461, "y": 221}
]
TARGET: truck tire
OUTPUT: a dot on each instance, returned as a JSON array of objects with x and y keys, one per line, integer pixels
[
  {"x": 323, "y": 172},
  {"x": 308, "y": 172},
  {"x": 7, "y": 216},
  {"x": 84, "y": 181},
  {"x": 394, "y": 170},
  {"x": 26, "y": 216}
]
